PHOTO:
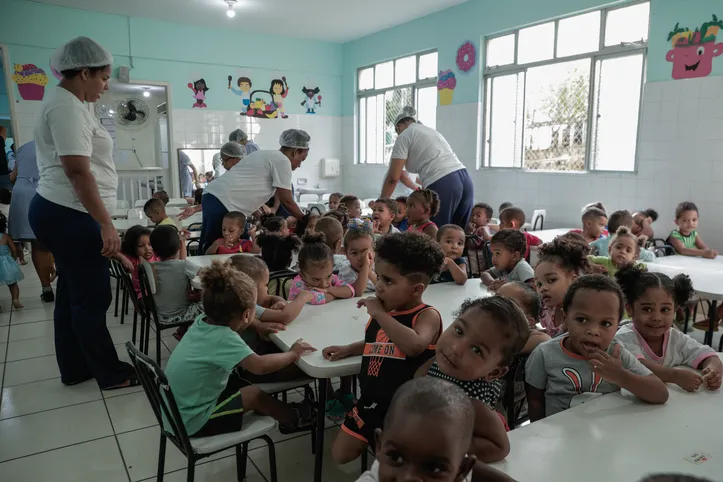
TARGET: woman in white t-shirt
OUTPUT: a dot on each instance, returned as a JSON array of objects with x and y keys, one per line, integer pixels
[
  {"x": 70, "y": 214},
  {"x": 423, "y": 150}
]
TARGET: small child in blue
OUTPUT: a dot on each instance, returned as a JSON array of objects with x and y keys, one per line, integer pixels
[
  {"x": 508, "y": 248},
  {"x": 10, "y": 272},
  {"x": 452, "y": 238}
]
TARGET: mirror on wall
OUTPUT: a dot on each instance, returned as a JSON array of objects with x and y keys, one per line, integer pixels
[{"x": 195, "y": 169}]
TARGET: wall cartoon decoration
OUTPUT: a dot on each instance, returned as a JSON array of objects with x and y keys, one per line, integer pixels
[
  {"x": 279, "y": 90},
  {"x": 31, "y": 81},
  {"x": 199, "y": 89},
  {"x": 693, "y": 51},
  {"x": 56, "y": 74},
  {"x": 445, "y": 86},
  {"x": 466, "y": 57},
  {"x": 310, "y": 103},
  {"x": 244, "y": 91}
]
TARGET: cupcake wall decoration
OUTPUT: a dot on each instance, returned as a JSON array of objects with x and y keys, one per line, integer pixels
[
  {"x": 31, "y": 81},
  {"x": 445, "y": 86}
]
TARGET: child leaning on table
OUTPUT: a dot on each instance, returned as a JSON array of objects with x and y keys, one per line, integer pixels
[
  {"x": 594, "y": 218},
  {"x": 652, "y": 300},
  {"x": 587, "y": 362},
  {"x": 401, "y": 327},
  {"x": 358, "y": 269},
  {"x": 211, "y": 398},
  {"x": 421, "y": 206},
  {"x": 333, "y": 233},
  {"x": 232, "y": 227},
  {"x": 508, "y": 247},
  {"x": 623, "y": 251},
  {"x": 685, "y": 239},
  {"x": 426, "y": 437},
  {"x": 514, "y": 218},
  {"x": 316, "y": 272},
  {"x": 155, "y": 210},
  {"x": 452, "y": 238},
  {"x": 618, "y": 219},
  {"x": 474, "y": 352}
]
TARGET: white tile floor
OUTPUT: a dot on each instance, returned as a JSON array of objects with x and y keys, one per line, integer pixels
[{"x": 79, "y": 434}]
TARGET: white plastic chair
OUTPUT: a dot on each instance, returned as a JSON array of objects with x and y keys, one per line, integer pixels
[
  {"x": 321, "y": 208},
  {"x": 136, "y": 217},
  {"x": 177, "y": 202},
  {"x": 122, "y": 204},
  {"x": 325, "y": 197},
  {"x": 538, "y": 215},
  {"x": 140, "y": 203}
]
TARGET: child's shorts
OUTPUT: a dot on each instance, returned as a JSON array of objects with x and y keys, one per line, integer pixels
[
  {"x": 363, "y": 419},
  {"x": 228, "y": 416}
]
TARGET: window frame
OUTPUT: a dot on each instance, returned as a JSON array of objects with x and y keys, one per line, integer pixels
[
  {"x": 622, "y": 50},
  {"x": 364, "y": 94}
]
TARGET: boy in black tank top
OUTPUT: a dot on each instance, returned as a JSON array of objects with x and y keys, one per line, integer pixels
[{"x": 399, "y": 337}]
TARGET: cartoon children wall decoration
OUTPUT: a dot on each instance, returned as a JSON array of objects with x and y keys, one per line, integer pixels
[
  {"x": 199, "y": 89},
  {"x": 310, "y": 103},
  {"x": 244, "y": 90},
  {"x": 693, "y": 51},
  {"x": 279, "y": 90}
]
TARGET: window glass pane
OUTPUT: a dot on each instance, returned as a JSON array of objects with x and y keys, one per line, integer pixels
[
  {"x": 366, "y": 79},
  {"x": 536, "y": 43},
  {"x": 504, "y": 128},
  {"x": 428, "y": 66},
  {"x": 405, "y": 70},
  {"x": 427, "y": 106},
  {"x": 362, "y": 130},
  {"x": 578, "y": 35},
  {"x": 617, "y": 107},
  {"x": 556, "y": 105},
  {"x": 629, "y": 24},
  {"x": 500, "y": 51},
  {"x": 394, "y": 100},
  {"x": 384, "y": 75},
  {"x": 371, "y": 127}
]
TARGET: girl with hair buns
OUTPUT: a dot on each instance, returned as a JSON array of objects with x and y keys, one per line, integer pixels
[
  {"x": 425, "y": 151},
  {"x": 210, "y": 398}
]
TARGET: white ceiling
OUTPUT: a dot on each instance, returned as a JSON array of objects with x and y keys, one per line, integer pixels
[{"x": 329, "y": 20}]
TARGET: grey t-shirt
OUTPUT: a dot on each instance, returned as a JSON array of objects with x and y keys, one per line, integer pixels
[
  {"x": 567, "y": 378},
  {"x": 171, "y": 295},
  {"x": 521, "y": 272}
]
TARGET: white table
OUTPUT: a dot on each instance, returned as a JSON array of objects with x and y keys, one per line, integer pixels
[
  {"x": 689, "y": 263},
  {"x": 547, "y": 236},
  {"x": 196, "y": 263},
  {"x": 309, "y": 190},
  {"x": 619, "y": 438}
]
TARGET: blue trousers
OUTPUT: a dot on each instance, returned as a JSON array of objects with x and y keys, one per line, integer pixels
[
  {"x": 83, "y": 346},
  {"x": 213, "y": 212},
  {"x": 456, "y": 199}
]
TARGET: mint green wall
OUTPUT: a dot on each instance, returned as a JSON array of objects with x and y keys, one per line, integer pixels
[
  {"x": 475, "y": 19},
  {"x": 4, "y": 105},
  {"x": 179, "y": 54}
]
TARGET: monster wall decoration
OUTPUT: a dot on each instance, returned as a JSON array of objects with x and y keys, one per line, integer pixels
[
  {"x": 310, "y": 102},
  {"x": 693, "y": 51}
]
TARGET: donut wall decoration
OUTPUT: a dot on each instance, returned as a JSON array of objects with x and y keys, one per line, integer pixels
[{"x": 466, "y": 57}]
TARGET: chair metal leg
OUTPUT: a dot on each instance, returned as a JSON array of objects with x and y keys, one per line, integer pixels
[
  {"x": 241, "y": 457},
  {"x": 135, "y": 326},
  {"x": 191, "y": 469},
  {"x": 117, "y": 294},
  {"x": 124, "y": 305},
  {"x": 158, "y": 348},
  {"x": 272, "y": 457},
  {"x": 161, "y": 457},
  {"x": 320, "y": 422},
  {"x": 712, "y": 320}
]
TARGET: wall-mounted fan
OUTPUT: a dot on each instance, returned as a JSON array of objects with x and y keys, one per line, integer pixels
[
  {"x": 132, "y": 113},
  {"x": 104, "y": 111}
]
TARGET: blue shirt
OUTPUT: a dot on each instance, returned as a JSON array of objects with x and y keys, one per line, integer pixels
[
  {"x": 603, "y": 244},
  {"x": 251, "y": 146}
]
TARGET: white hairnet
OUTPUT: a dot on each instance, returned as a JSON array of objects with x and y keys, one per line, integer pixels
[
  {"x": 79, "y": 53},
  {"x": 233, "y": 149},
  {"x": 237, "y": 136},
  {"x": 295, "y": 138},
  {"x": 407, "y": 112}
]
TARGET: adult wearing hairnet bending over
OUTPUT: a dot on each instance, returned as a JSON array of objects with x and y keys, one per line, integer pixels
[
  {"x": 252, "y": 182},
  {"x": 239, "y": 137},
  {"x": 70, "y": 214},
  {"x": 425, "y": 151}
]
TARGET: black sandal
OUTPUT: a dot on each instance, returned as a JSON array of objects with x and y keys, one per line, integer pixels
[
  {"x": 133, "y": 381},
  {"x": 307, "y": 417}
]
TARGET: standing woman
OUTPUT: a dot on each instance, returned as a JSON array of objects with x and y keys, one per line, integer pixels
[
  {"x": 425, "y": 151},
  {"x": 70, "y": 214},
  {"x": 26, "y": 179}
]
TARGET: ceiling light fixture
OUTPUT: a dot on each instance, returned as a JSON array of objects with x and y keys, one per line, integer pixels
[
  {"x": 146, "y": 92},
  {"x": 230, "y": 13}
]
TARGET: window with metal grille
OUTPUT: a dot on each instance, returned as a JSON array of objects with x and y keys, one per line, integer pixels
[
  {"x": 382, "y": 90},
  {"x": 565, "y": 95}
]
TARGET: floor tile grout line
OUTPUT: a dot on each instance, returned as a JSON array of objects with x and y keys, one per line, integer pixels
[
  {"x": 115, "y": 436},
  {"x": 28, "y": 383},
  {"x": 56, "y": 448},
  {"x": 51, "y": 409}
]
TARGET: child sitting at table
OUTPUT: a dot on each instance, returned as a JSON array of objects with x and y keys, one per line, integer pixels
[
  {"x": 401, "y": 327},
  {"x": 333, "y": 235},
  {"x": 358, "y": 270},
  {"x": 587, "y": 362},
  {"x": 197, "y": 196},
  {"x": 385, "y": 211},
  {"x": 594, "y": 219},
  {"x": 232, "y": 228},
  {"x": 162, "y": 195},
  {"x": 652, "y": 300},
  {"x": 618, "y": 219},
  {"x": 685, "y": 239},
  {"x": 479, "y": 233},
  {"x": 175, "y": 301},
  {"x": 210, "y": 397},
  {"x": 529, "y": 301},
  {"x": 341, "y": 216},
  {"x": 643, "y": 223},
  {"x": 352, "y": 205},
  {"x": 307, "y": 224},
  {"x": 624, "y": 250},
  {"x": 474, "y": 352},
  {"x": 400, "y": 220},
  {"x": 421, "y": 206},
  {"x": 560, "y": 263},
  {"x": 278, "y": 253},
  {"x": 334, "y": 200},
  {"x": 507, "y": 247},
  {"x": 155, "y": 210},
  {"x": 275, "y": 224},
  {"x": 496, "y": 227},
  {"x": 452, "y": 238},
  {"x": 136, "y": 246},
  {"x": 316, "y": 272},
  {"x": 514, "y": 218}
]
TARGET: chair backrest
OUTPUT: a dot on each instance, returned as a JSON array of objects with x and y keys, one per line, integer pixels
[
  {"x": 137, "y": 216},
  {"x": 318, "y": 208},
  {"x": 282, "y": 278},
  {"x": 122, "y": 204},
  {"x": 140, "y": 203},
  {"x": 309, "y": 198},
  {"x": 117, "y": 271},
  {"x": 538, "y": 215},
  {"x": 158, "y": 390},
  {"x": 195, "y": 227},
  {"x": 147, "y": 282},
  {"x": 177, "y": 202},
  {"x": 516, "y": 373},
  {"x": 325, "y": 198}
]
